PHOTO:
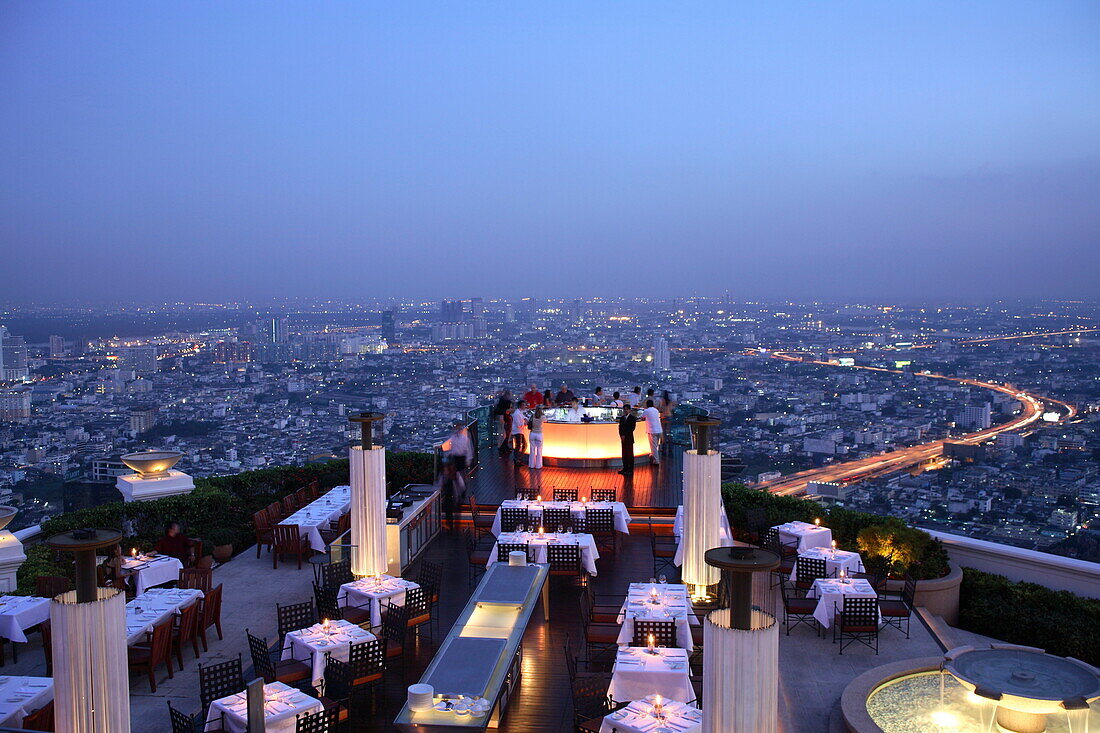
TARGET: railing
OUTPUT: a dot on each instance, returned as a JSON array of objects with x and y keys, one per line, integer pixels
[{"x": 1052, "y": 571}]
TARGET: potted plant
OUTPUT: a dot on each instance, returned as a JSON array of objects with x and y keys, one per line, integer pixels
[{"x": 222, "y": 542}]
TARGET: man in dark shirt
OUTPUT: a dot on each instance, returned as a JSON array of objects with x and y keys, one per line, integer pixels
[
  {"x": 175, "y": 544},
  {"x": 564, "y": 396},
  {"x": 627, "y": 423}
]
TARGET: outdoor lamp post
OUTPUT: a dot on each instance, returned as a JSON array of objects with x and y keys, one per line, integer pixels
[
  {"x": 702, "y": 528},
  {"x": 368, "y": 499},
  {"x": 741, "y": 644},
  {"x": 91, "y": 678}
]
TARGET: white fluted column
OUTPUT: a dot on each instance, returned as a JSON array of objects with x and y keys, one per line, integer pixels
[
  {"x": 90, "y": 676},
  {"x": 702, "y": 515},
  {"x": 368, "y": 510},
  {"x": 740, "y": 675}
]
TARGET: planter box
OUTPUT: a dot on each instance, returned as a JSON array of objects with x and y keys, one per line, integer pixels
[{"x": 940, "y": 595}]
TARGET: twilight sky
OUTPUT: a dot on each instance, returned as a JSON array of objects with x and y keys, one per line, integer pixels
[{"x": 865, "y": 150}]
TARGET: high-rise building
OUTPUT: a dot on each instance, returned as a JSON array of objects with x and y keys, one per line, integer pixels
[
  {"x": 232, "y": 352},
  {"x": 389, "y": 326},
  {"x": 976, "y": 417},
  {"x": 450, "y": 311},
  {"x": 3, "y": 335},
  {"x": 661, "y": 356},
  {"x": 57, "y": 346},
  {"x": 143, "y": 419},
  {"x": 477, "y": 307},
  {"x": 575, "y": 311},
  {"x": 509, "y": 313},
  {"x": 279, "y": 330},
  {"x": 142, "y": 359},
  {"x": 14, "y": 359},
  {"x": 15, "y": 406}
]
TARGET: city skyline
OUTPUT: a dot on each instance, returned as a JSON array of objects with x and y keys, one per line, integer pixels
[{"x": 211, "y": 153}]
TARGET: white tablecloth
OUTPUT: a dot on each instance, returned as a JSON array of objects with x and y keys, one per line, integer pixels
[
  {"x": 21, "y": 696},
  {"x": 671, "y": 597},
  {"x": 152, "y": 571},
  {"x": 367, "y": 592},
  {"x": 19, "y": 613},
  {"x": 282, "y": 705},
  {"x": 312, "y": 643},
  {"x": 851, "y": 562},
  {"x": 637, "y": 673},
  {"x": 831, "y": 590},
  {"x": 622, "y": 517},
  {"x": 805, "y": 535},
  {"x": 637, "y": 718},
  {"x": 589, "y": 555},
  {"x": 152, "y": 608},
  {"x": 317, "y": 514}
]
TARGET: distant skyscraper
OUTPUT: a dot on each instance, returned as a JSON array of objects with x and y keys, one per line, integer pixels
[
  {"x": 978, "y": 417},
  {"x": 57, "y": 346},
  {"x": 661, "y": 355},
  {"x": 143, "y": 419},
  {"x": 3, "y": 335},
  {"x": 509, "y": 313},
  {"x": 575, "y": 311},
  {"x": 477, "y": 306},
  {"x": 389, "y": 326},
  {"x": 450, "y": 311},
  {"x": 142, "y": 359},
  {"x": 14, "y": 359},
  {"x": 279, "y": 330},
  {"x": 15, "y": 406}
]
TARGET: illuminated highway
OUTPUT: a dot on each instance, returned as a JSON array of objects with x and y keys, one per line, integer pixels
[{"x": 903, "y": 458}]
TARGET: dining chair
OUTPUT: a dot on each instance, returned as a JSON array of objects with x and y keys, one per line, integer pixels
[
  {"x": 48, "y": 586},
  {"x": 856, "y": 619},
  {"x": 896, "y": 610},
  {"x": 798, "y": 609},
  {"x": 554, "y": 517},
  {"x": 322, "y": 721},
  {"x": 335, "y": 695},
  {"x": 590, "y": 703},
  {"x": 301, "y": 496},
  {"x": 512, "y": 517},
  {"x": 662, "y": 630},
  {"x": 290, "y": 505},
  {"x": 476, "y": 557},
  {"x": 336, "y": 573},
  {"x": 294, "y": 617},
  {"x": 211, "y": 614},
  {"x": 328, "y": 606},
  {"x": 565, "y": 494},
  {"x": 367, "y": 666},
  {"x": 565, "y": 561},
  {"x": 41, "y": 719},
  {"x": 807, "y": 570},
  {"x": 186, "y": 630},
  {"x": 261, "y": 525},
  {"x": 156, "y": 650},
  {"x": 419, "y": 608},
  {"x": 219, "y": 680},
  {"x": 288, "y": 541},
  {"x": 196, "y": 578},
  {"x": 483, "y": 523},
  {"x": 334, "y": 531},
  {"x": 664, "y": 551},
  {"x": 287, "y": 671},
  {"x": 504, "y": 548},
  {"x": 600, "y": 523},
  {"x": 394, "y": 630},
  {"x": 604, "y": 637},
  {"x": 183, "y": 723},
  {"x": 602, "y": 494}
]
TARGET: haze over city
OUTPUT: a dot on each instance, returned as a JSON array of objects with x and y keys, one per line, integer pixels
[{"x": 805, "y": 151}]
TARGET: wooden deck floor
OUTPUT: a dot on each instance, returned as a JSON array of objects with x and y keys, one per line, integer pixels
[{"x": 497, "y": 477}]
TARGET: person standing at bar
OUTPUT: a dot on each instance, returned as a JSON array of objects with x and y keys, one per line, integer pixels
[
  {"x": 627, "y": 423},
  {"x": 597, "y": 399},
  {"x": 519, "y": 422},
  {"x": 504, "y": 423},
  {"x": 653, "y": 428},
  {"x": 634, "y": 397},
  {"x": 534, "y": 453},
  {"x": 533, "y": 397},
  {"x": 616, "y": 401},
  {"x": 547, "y": 399}
]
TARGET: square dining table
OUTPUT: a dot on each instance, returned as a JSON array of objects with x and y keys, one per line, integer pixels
[
  {"x": 830, "y": 591},
  {"x": 19, "y": 613},
  {"x": 835, "y": 561},
  {"x": 282, "y": 704},
  {"x": 638, "y": 673},
  {"x": 314, "y": 644},
  {"x": 669, "y": 602},
  {"x": 21, "y": 696},
  {"x": 805, "y": 535},
  {"x": 538, "y": 544},
  {"x": 638, "y": 717},
  {"x": 371, "y": 591},
  {"x": 152, "y": 571},
  {"x": 153, "y": 607}
]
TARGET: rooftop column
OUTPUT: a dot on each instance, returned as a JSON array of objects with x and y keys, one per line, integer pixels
[{"x": 368, "y": 499}]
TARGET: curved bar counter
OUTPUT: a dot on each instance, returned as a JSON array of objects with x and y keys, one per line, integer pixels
[{"x": 568, "y": 440}]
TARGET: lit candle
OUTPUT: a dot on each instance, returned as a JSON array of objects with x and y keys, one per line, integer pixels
[
  {"x": 842, "y": 574},
  {"x": 540, "y": 531},
  {"x": 539, "y": 498},
  {"x": 817, "y": 521},
  {"x": 324, "y": 625},
  {"x": 652, "y": 641},
  {"x": 658, "y": 708},
  {"x": 834, "y": 545},
  {"x": 584, "y": 500},
  {"x": 133, "y": 552}
]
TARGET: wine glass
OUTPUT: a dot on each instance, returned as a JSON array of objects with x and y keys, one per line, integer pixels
[
  {"x": 661, "y": 580},
  {"x": 652, "y": 580}
]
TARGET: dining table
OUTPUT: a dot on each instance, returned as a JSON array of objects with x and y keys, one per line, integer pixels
[
  {"x": 804, "y": 535},
  {"x": 282, "y": 704},
  {"x": 155, "y": 606},
  {"x": 315, "y": 643},
  {"x": 151, "y": 570},
  {"x": 577, "y": 509},
  {"x": 372, "y": 590},
  {"x": 19, "y": 613},
  {"x": 317, "y": 515},
  {"x": 830, "y": 593},
  {"x": 539, "y": 541},
  {"x": 640, "y": 716},
  {"x": 21, "y": 696},
  {"x": 639, "y": 672},
  {"x": 835, "y": 561},
  {"x": 657, "y": 601}
]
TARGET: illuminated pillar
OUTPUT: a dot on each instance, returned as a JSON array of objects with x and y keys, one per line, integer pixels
[
  {"x": 741, "y": 645},
  {"x": 368, "y": 500},
  {"x": 90, "y": 673},
  {"x": 703, "y": 510}
]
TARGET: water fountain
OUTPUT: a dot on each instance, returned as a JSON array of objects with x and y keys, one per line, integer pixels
[{"x": 975, "y": 690}]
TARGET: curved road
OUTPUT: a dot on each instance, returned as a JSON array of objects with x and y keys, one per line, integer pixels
[{"x": 905, "y": 457}]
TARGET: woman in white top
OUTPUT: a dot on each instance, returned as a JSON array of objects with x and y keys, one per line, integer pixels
[{"x": 534, "y": 454}]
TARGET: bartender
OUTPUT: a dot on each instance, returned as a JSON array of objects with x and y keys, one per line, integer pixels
[{"x": 575, "y": 412}]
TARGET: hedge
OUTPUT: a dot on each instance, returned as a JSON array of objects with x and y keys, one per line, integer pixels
[
  {"x": 220, "y": 506},
  {"x": 1030, "y": 614},
  {"x": 873, "y": 535}
]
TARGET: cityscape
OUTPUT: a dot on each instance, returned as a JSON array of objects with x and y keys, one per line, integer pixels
[{"x": 811, "y": 396}]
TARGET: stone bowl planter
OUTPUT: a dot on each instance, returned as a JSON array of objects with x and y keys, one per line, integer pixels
[{"x": 7, "y": 513}]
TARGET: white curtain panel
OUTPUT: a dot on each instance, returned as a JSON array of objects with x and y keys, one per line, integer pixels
[
  {"x": 740, "y": 675},
  {"x": 702, "y": 515},
  {"x": 368, "y": 510},
  {"x": 90, "y": 676}
]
